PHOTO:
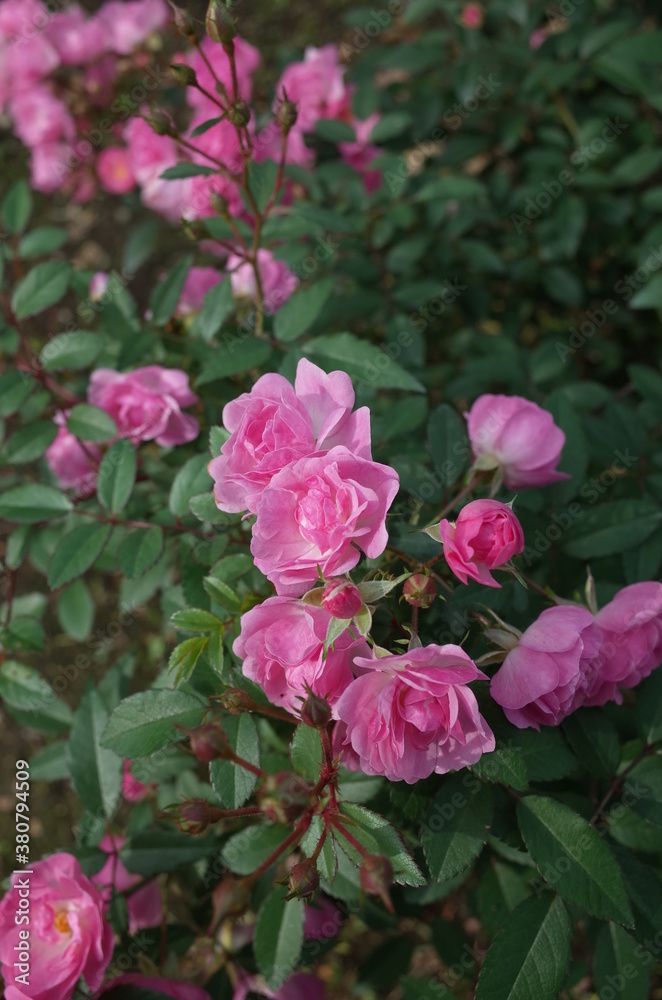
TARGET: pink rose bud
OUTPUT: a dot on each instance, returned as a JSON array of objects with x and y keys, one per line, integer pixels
[
  {"x": 342, "y": 599},
  {"x": 413, "y": 715},
  {"x": 98, "y": 286},
  {"x": 537, "y": 38},
  {"x": 472, "y": 16},
  {"x": 486, "y": 534},
  {"x": 208, "y": 742},
  {"x": 419, "y": 590},
  {"x": 114, "y": 171},
  {"x": 315, "y": 712},
  {"x": 517, "y": 436},
  {"x": 303, "y": 880},
  {"x": 544, "y": 678},
  {"x": 69, "y": 936}
]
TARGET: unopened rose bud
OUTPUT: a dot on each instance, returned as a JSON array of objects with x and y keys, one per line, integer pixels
[
  {"x": 303, "y": 880},
  {"x": 315, "y": 711},
  {"x": 283, "y": 797},
  {"x": 419, "y": 590},
  {"x": 219, "y": 24},
  {"x": 286, "y": 114},
  {"x": 219, "y": 204},
  {"x": 195, "y": 815},
  {"x": 208, "y": 742},
  {"x": 235, "y": 701},
  {"x": 195, "y": 230},
  {"x": 184, "y": 74},
  {"x": 342, "y": 599},
  {"x": 183, "y": 22},
  {"x": 240, "y": 113},
  {"x": 159, "y": 123},
  {"x": 376, "y": 876}
]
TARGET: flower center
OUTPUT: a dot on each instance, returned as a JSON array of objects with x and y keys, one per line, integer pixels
[{"x": 61, "y": 923}]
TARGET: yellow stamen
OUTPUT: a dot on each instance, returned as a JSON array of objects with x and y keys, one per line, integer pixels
[{"x": 61, "y": 923}]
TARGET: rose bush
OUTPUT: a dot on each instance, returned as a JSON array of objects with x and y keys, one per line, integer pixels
[{"x": 300, "y": 706}]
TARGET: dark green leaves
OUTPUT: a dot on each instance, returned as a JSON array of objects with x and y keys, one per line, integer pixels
[
  {"x": 306, "y": 752},
  {"x": 457, "y": 825},
  {"x": 145, "y": 722},
  {"x": 76, "y": 552},
  {"x": 448, "y": 443},
  {"x": 612, "y": 527},
  {"x": 117, "y": 475},
  {"x": 96, "y": 773},
  {"x": 573, "y": 858},
  {"x": 279, "y": 937},
  {"x": 89, "y": 423},
  {"x": 234, "y": 784},
  {"x": 301, "y": 310},
  {"x": 530, "y": 955},
  {"x": 42, "y": 287},
  {"x": 217, "y": 306},
  {"x": 619, "y": 966},
  {"x": 33, "y": 503},
  {"x": 166, "y": 294},
  {"x": 160, "y": 850},
  {"x": 140, "y": 550},
  {"x": 649, "y": 708},
  {"x": 71, "y": 351},
  {"x": 17, "y": 207}
]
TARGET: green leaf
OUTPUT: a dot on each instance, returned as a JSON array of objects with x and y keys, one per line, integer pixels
[
  {"x": 17, "y": 207},
  {"x": 234, "y": 784},
  {"x": 166, "y": 295},
  {"x": 221, "y": 593},
  {"x": 51, "y": 763},
  {"x": 506, "y": 765},
  {"x": 183, "y": 170},
  {"x": 191, "y": 479},
  {"x": 306, "y": 752},
  {"x": 33, "y": 503},
  {"x": 76, "y": 552},
  {"x": 96, "y": 773},
  {"x": 247, "y": 850},
  {"x": 650, "y": 296},
  {"x": 279, "y": 937},
  {"x": 457, "y": 825},
  {"x": 594, "y": 739},
  {"x": 42, "y": 241},
  {"x": 196, "y": 620},
  {"x": 366, "y": 363},
  {"x": 618, "y": 966},
  {"x": 301, "y": 310},
  {"x": 530, "y": 955},
  {"x": 201, "y": 129},
  {"x": 23, "y": 633},
  {"x": 153, "y": 851},
  {"x": 645, "y": 890},
  {"x": 75, "y": 611},
  {"x": 334, "y": 130},
  {"x": 184, "y": 658},
  {"x": 29, "y": 443},
  {"x": 390, "y": 125},
  {"x": 448, "y": 443},
  {"x": 89, "y": 423},
  {"x": 502, "y": 887},
  {"x": 573, "y": 858},
  {"x": 546, "y": 755},
  {"x": 372, "y": 828},
  {"x": 644, "y": 790},
  {"x": 42, "y": 287},
  {"x": 234, "y": 356},
  {"x": 203, "y": 506},
  {"x": 611, "y": 527},
  {"x": 140, "y": 550},
  {"x": 15, "y": 387},
  {"x": 262, "y": 181},
  {"x": 145, "y": 722},
  {"x": 327, "y": 860},
  {"x": 117, "y": 475},
  {"x": 31, "y": 698},
  {"x": 648, "y": 711},
  {"x": 217, "y": 305},
  {"x": 71, "y": 351}
]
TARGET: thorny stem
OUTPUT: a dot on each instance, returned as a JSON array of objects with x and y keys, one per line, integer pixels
[
  {"x": 618, "y": 779},
  {"x": 290, "y": 841},
  {"x": 222, "y": 169},
  {"x": 142, "y": 524}
]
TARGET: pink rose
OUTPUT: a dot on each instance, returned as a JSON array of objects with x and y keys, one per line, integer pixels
[
  {"x": 275, "y": 424},
  {"x": 21, "y": 17},
  {"x": 199, "y": 281},
  {"x": 342, "y": 599},
  {"x": 543, "y": 679},
  {"x": 69, "y": 936},
  {"x": 631, "y": 626},
  {"x": 360, "y": 153},
  {"x": 149, "y": 155},
  {"x": 145, "y": 905},
  {"x": 344, "y": 750},
  {"x": 282, "y": 648},
  {"x": 29, "y": 60},
  {"x": 72, "y": 462},
  {"x": 114, "y": 170},
  {"x": 49, "y": 168},
  {"x": 537, "y": 38},
  {"x": 486, "y": 535},
  {"x": 268, "y": 145},
  {"x": 316, "y": 86},
  {"x": 40, "y": 118},
  {"x": 278, "y": 282},
  {"x": 516, "y": 435},
  {"x": 146, "y": 403},
  {"x": 77, "y": 38},
  {"x": 222, "y": 143},
  {"x": 98, "y": 286},
  {"x": 472, "y": 16},
  {"x": 128, "y": 23},
  {"x": 318, "y": 512},
  {"x": 412, "y": 715},
  {"x": 132, "y": 789},
  {"x": 170, "y": 987}
]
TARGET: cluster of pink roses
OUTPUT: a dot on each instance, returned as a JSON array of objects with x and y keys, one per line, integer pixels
[
  {"x": 145, "y": 404},
  {"x": 71, "y": 939},
  {"x": 57, "y": 70},
  {"x": 570, "y": 658}
]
